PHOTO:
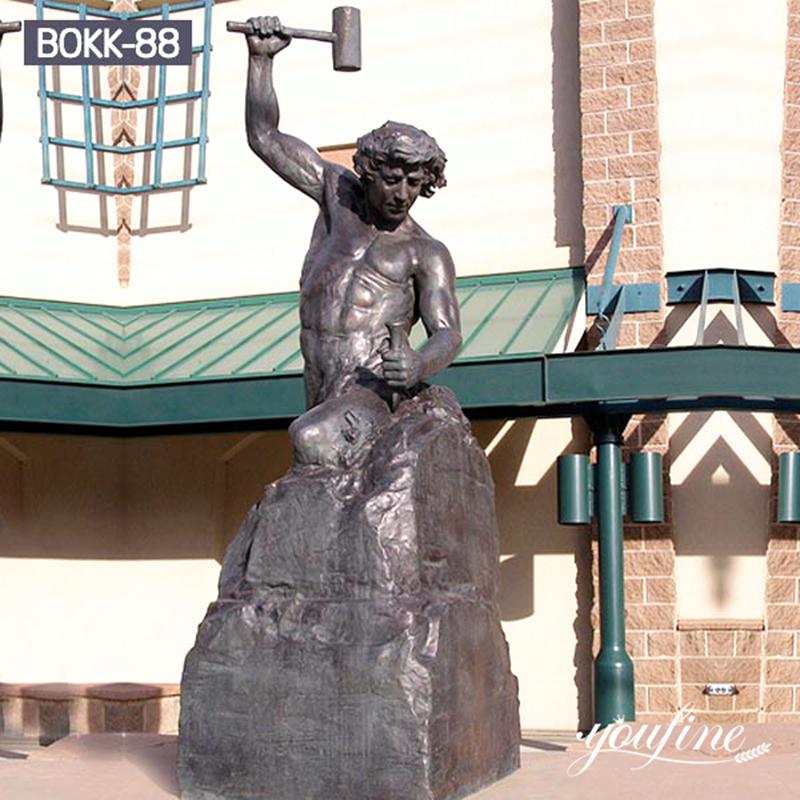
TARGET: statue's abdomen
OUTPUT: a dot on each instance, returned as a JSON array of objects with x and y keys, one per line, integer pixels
[{"x": 345, "y": 327}]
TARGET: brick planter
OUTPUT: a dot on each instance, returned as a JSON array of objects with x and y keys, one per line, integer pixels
[{"x": 51, "y": 711}]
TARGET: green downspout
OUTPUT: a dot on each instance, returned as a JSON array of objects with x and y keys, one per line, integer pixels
[{"x": 613, "y": 668}]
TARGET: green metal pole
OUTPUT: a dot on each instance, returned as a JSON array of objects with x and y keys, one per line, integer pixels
[{"x": 613, "y": 668}]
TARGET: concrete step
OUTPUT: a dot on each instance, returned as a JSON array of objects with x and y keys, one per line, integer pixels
[{"x": 19, "y": 747}]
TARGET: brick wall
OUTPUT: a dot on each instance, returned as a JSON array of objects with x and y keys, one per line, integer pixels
[
  {"x": 54, "y": 710},
  {"x": 782, "y": 675},
  {"x": 789, "y": 248},
  {"x": 620, "y": 149},
  {"x": 722, "y": 651},
  {"x": 781, "y": 700}
]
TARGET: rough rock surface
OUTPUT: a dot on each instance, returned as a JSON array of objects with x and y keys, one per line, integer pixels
[{"x": 355, "y": 650}]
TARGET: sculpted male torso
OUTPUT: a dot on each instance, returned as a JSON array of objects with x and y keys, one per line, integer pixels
[
  {"x": 369, "y": 265},
  {"x": 358, "y": 278}
]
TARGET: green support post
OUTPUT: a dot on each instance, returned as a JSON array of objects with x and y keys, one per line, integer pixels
[{"x": 613, "y": 668}]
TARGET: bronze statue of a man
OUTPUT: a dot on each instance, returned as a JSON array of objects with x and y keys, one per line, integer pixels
[
  {"x": 369, "y": 265},
  {"x": 358, "y": 598}
]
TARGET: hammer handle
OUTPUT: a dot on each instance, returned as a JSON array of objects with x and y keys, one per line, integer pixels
[
  {"x": 10, "y": 27},
  {"x": 398, "y": 338},
  {"x": 294, "y": 33}
]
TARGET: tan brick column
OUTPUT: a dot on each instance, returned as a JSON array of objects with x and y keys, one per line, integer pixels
[
  {"x": 620, "y": 150},
  {"x": 789, "y": 257},
  {"x": 781, "y": 698},
  {"x": 620, "y": 147},
  {"x": 782, "y": 649}
]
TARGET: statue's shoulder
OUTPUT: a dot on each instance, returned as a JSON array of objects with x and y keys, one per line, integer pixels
[
  {"x": 333, "y": 171},
  {"x": 342, "y": 186},
  {"x": 338, "y": 175},
  {"x": 429, "y": 250}
]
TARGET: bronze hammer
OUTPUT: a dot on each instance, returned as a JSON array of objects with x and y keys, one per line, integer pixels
[{"x": 345, "y": 36}]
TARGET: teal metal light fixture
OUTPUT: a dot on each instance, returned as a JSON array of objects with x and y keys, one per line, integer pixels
[
  {"x": 789, "y": 487},
  {"x": 575, "y": 490},
  {"x": 646, "y": 495},
  {"x": 640, "y": 486}
]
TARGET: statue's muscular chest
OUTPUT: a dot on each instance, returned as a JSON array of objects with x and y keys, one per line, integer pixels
[{"x": 356, "y": 265}]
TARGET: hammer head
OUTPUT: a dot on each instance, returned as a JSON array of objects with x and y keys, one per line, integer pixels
[
  {"x": 10, "y": 27},
  {"x": 347, "y": 41}
]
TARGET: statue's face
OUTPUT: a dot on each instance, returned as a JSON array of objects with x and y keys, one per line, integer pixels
[{"x": 391, "y": 192}]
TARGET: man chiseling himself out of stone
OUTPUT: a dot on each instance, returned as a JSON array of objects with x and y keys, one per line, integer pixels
[{"x": 369, "y": 268}]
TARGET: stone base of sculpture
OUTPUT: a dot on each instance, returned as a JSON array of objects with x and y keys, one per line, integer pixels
[{"x": 355, "y": 651}]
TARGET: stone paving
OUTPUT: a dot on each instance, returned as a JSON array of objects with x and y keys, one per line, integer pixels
[{"x": 142, "y": 767}]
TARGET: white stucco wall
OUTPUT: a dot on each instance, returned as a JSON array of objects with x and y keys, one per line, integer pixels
[
  {"x": 545, "y": 574},
  {"x": 110, "y": 549},
  {"x": 101, "y": 621},
  {"x": 720, "y": 66},
  {"x": 720, "y": 474},
  {"x": 480, "y": 83},
  {"x": 720, "y": 471}
]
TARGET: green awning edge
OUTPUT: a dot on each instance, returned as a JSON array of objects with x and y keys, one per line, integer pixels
[
  {"x": 560, "y": 385},
  {"x": 175, "y": 343},
  {"x": 494, "y": 278}
]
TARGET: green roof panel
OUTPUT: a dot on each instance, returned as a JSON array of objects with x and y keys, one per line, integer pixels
[{"x": 502, "y": 315}]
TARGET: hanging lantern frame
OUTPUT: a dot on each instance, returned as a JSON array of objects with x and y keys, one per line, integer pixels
[{"x": 90, "y": 101}]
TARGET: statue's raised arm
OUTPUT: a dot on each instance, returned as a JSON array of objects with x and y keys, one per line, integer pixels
[
  {"x": 296, "y": 162},
  {"x": 370, "y": 271}
]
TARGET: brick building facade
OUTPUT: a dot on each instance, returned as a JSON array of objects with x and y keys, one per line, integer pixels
[{"x": 675, "y": 658}]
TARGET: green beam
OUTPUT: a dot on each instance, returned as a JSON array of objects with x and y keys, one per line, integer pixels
[
  {"x": 629, "y": 381},
  {"x": 32, "y": 404},
  {"x": 722, "y": 286},
  {"x": 621, "y": 381},
  {"x": 679, "y": 372}
]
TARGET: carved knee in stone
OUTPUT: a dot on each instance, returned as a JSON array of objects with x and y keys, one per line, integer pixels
[{"x": 340, "y": 431}]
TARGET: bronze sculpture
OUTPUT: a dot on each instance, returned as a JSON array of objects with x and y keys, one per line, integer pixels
[
  {"x": 355, "y": 650},
  {"x": 369, "y": 264}
]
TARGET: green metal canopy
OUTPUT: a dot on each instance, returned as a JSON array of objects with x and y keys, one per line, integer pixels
[
  {"x": 512, "y": 314},
  {"x": 226, "y": 360}
]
